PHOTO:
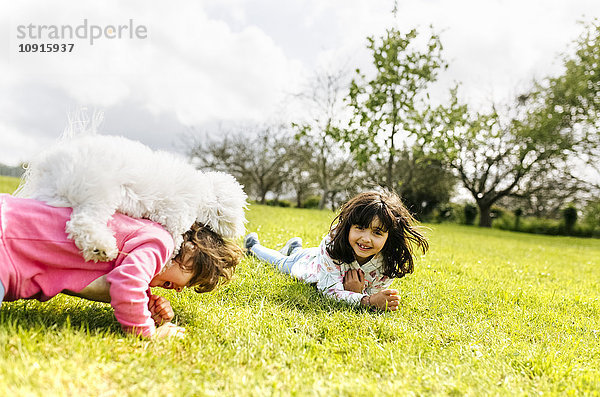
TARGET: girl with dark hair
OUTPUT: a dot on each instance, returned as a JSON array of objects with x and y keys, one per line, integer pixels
[
  {"x": 39, "y": 261},
  {"x": 370, "y": 242}
]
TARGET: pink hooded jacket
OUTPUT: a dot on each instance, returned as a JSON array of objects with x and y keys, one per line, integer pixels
[{"x": 38, "y": 261}]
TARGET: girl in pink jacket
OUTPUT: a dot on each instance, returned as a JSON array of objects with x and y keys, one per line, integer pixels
[{"x": 38, "y": 261}]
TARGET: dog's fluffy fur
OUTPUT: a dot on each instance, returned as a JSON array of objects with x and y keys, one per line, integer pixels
[{"x": 98, "y": 175}]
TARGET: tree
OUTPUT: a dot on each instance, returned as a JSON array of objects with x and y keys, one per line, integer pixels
[
  {"x": 386, "y": 107},
  {"x": 591, "y": 213},
  {"x": 423, "y": 181},
  {"x": 329, "y": 163},
  {"x": 300, "y": 178},
  {"x": 544, "y": 194},
  {"x": 16, "y": 171},
  {"x": 257, "y": 156},
  {"x": 576, "y": 93},
  {"x": 496, "y": 155},
  {"x": 470, "y": 213},
  {"x": 502, "y": 153}
]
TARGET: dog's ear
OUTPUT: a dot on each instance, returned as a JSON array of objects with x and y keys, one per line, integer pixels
[{"x": 224, "y": 212}]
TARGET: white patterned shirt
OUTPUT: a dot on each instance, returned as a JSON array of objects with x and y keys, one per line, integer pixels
[{"x": 316, "y": 266}]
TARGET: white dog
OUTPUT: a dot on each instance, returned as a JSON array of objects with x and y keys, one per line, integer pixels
[{"x": 98, "y": 175}]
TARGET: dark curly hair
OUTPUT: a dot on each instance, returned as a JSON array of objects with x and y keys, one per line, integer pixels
[
  {"x": 211, "y": 258},
  {"x": 403, "y": 233}
]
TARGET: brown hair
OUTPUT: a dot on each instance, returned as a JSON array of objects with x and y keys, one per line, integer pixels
[
  {"x": 403, "y": 232},
  {"x": 211, "y": 258}
]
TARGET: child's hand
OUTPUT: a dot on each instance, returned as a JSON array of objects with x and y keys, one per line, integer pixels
[
  {"x": 169, "y": 330},
  {"x": 160, "y": 309},
  {"x": 354, "y": 280},
  {"x": 387, "y": 299}
]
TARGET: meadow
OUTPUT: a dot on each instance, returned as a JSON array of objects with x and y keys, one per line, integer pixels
[{"x": 486, "y": 312}]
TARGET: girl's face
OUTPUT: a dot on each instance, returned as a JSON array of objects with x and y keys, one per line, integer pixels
[
  {"x": 174, "y": 277},
  {"x": 367, "y": 242}
]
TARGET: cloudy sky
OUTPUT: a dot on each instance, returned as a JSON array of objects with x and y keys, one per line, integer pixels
[{"x": 189, "y": 65}]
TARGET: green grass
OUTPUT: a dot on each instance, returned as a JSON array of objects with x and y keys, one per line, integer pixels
[
  {"x": 8, "y": 184},
  {"x": 487, "y": 312}
]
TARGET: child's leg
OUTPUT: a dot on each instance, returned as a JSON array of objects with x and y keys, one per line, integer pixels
[
  {"x": 283, "y": 263},
  {"x": 273, "y": 257}
]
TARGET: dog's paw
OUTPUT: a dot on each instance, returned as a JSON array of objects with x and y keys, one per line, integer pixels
[
  {"x": 98, "y": 246},
  {"x": 99, "y": 255}
]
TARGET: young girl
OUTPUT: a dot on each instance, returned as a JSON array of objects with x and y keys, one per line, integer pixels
[
  {"x": 38, "y": 261},
  {"x": 369, "y": 243}
]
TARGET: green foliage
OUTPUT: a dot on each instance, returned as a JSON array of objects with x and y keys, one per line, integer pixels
[
  {"x": 573, "y": 96},
  {"x": 386, "y": 106},
  {"x": 519, "y": 146},
  {"x": 591, "y": 214},
  {"x": 486, "y": 312},
  {"x": 550, "y": 227},
  {"x": 518, "y": 214},
  {"x": 497, "y": 211},
  {"x": 387, "y": 110},
  {"x": 8, "y": 184},
  {"x": 278, "y": 203},
  {"x": 424, "y": 182},
  {"x": 311, "y": 202},
  {"x": 570, "y": 217},
  {"x": 449, "y": 212},
  {"x": 320, "y": 158},
  {"x": 14, "y": 171},
  {"x": 470, "y": 212}
]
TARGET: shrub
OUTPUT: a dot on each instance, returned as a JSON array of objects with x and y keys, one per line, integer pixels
[
  {"x": 544, "y": 226},
  {"x": 518, "y": 214},
  {"x": 506, "y": 222},
  {"x": 570, "y": 217},
  {"x": 278, "y": 203},
  {"x": 591, "y": 214},
  {"x": 311, "y": 202},
  {"x": 470, "y": 213},
  {"x": 449, "y": 212},
  {"x": 497, "y": 212}
]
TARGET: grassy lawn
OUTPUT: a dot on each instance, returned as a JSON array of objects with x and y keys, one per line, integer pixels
[
  {"x": 8, "y": 184},
  {"x": 486, "y": 312}
]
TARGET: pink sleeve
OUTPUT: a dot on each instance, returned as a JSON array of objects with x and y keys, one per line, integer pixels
[{"x": 148, "y": 251}]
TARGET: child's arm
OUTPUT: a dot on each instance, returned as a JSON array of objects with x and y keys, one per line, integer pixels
[
  {"x": 330, "y": 280},
  {"x": 354, "y": 280},
  {"x": 161, "y": 310},
  {"x": 331, "y": 283},
  {"x": 383, "y": 300},
  {"x": 169, "y": 330},
  {"x": 97, "y": 290},
  {"x": 148, "y": 250}
]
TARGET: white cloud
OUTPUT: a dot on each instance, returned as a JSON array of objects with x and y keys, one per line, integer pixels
[
  {"x": 211, "y": 60},
  {"x": 18, "y": 147},
  {"x": 189, "y": 64}
]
